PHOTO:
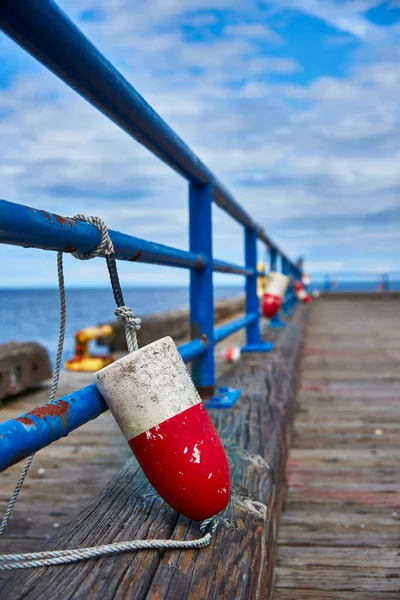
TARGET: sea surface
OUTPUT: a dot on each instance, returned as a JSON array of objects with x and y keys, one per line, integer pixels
[{"x": 33, "y": 314}]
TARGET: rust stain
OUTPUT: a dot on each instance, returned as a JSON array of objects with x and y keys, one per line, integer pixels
[
  {"x": 312, "y": 388},
  {"x": 47, "y": 215},
  {"x": 204, "y": 339},
  {"x": 136, "y": 256},
  {"x": 199, "y": 263},
  {"x": 65, "y": 220},
  {"x": 58, "y": 409},
  {"x": 69, "y": 248}
]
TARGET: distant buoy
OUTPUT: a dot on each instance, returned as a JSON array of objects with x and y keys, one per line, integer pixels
[
  {"x": 232, "y": 354},
  {"x": 276, "y": 288},
  {"x": 160, "y": 412},
  {"x": 301, "y": 294}
]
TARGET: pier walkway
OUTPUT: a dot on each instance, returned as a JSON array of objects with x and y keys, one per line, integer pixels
[{"x": 340, "y": 533}]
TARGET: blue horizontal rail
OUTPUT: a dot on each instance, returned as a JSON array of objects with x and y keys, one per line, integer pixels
[
  {"x": 31, "y": 228},
  {"x": 32, "y": 431},
  {"x": 41, "y": 28},
  {"x": 224, "y": 331}
]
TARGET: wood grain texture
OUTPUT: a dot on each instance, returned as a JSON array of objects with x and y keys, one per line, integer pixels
[
  {"x": 340, "y": 533},
  {"x": 66, "y": 475},
  {"x": 239, "y": 561}
]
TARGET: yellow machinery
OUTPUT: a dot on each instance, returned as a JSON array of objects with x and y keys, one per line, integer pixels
[
  {"x": 82, "y": 359},
  {"x": 262, "y": 280}
]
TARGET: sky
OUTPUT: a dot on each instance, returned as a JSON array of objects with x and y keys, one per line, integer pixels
[{"x": 292, "y": 104}]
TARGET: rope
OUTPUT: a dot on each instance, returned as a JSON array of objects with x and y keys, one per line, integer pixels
[
  {"x": 61, "y": 557},
  {"x": 56, "y": 377},
  {"x": 105, "y": 248},
  {"x": 132, "y": 323}
]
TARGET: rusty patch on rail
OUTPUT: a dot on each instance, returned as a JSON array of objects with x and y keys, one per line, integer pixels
[
  {"x": 69, "y": 248},
  {"x": 136, "y": 256},
  {"x": 204, "y": 339},
  {"x": 58, "y": 409},
  {"x": 47, "y": 215},
  {"x": 65, "y": 220},
  {"x": 199, "y": 263}
]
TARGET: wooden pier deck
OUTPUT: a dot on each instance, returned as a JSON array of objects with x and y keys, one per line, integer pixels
[{"x": 340, "y": 532}]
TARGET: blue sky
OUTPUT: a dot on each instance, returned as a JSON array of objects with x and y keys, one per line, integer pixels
[{"x": 293, "y": 104}]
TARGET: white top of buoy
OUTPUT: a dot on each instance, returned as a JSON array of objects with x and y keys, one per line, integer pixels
[
  {"x": 277, "y": 284},
  {"x": 147, "y": 387}
]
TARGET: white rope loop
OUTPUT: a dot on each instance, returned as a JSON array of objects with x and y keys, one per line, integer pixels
[
  {"x": 60, "y": 557},
  {"x": 104, "y": 247}
]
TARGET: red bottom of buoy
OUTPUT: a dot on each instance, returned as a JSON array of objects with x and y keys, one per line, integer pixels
[
  {"x": 270, "y": 305},
  {"x": 306, "y": 299},
  {"x": 185, "y": 462}
]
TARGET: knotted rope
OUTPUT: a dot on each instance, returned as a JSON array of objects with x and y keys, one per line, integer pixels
[
  {"x": 131, "y": 323},
  {"x": 105, "y": 248}
]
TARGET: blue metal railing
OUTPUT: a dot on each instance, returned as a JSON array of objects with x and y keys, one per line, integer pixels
[{"x": 41, "y": 28}]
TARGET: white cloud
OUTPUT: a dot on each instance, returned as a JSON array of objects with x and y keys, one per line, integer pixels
[{"x": 326, "y": 149}]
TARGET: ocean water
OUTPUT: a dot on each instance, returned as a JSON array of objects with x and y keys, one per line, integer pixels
[{"x": 33, "y": 314}]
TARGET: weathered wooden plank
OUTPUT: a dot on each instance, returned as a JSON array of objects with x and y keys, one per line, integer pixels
[
  {"x": 339, "y": 529},
  {"x": 340, "y": 535},
  {"x": 240, "y": 557},
  {"x": 310, "y": 556},
  {"x": 283, "y": 594},
  {"x": 360, "y": 457},
  {"x": 340, "y": 579}
]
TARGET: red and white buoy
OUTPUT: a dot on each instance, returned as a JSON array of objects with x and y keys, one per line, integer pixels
[
  {"x": 274, "y": 293},
  {"x": 160, "y": 412},
  {"x": 306, "y": 279},
  {"x": 301, "y": 294},
  {"x": 232, "y": 354}
]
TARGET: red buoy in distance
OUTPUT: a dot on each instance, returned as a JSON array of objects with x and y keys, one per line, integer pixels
[
  {"x": 160, "y": 412},
  {"x": 232, "y": 354},
  {"x": 301, "y": 294},
  {"x": 274, "y": 292}
]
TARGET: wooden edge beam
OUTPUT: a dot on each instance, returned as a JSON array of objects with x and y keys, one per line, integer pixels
[{"x": 240, "y": 559}]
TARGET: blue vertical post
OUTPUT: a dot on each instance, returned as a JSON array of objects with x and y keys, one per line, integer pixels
[
  {"x": 285, "y": 268},
  {"x": 273, "y": 259},
  {"x": 327, "y": 283},
  {"x": 253, "y": 341},
  {"x": 201, "y": 285},
  {"x": 295, "y": 276}
]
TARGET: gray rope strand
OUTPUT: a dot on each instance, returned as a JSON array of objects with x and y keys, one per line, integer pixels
[
  {"x": 60, "y": 557},
  {"x": 56, "y": 377},
  {"x": 105, "y": 248},
  {"x": 131, "y": 323}
]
